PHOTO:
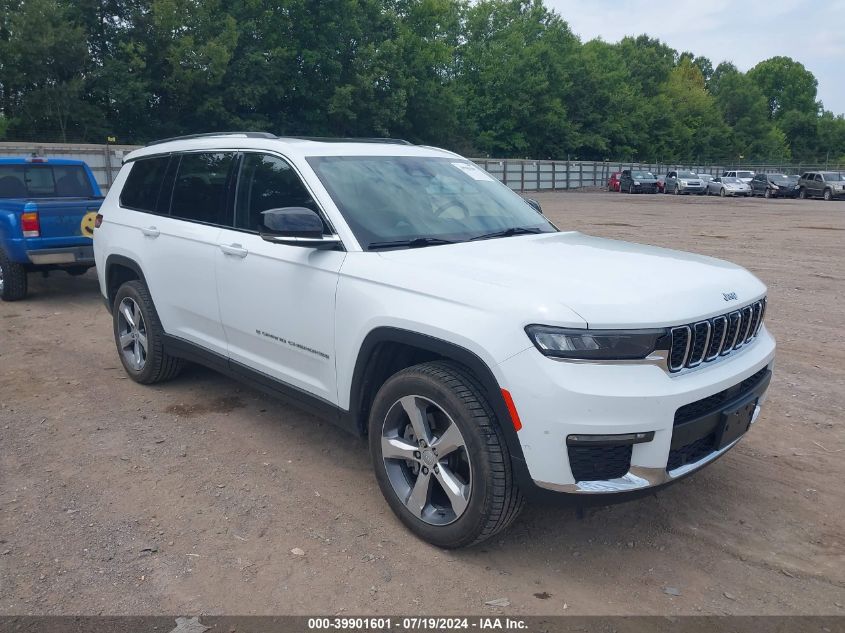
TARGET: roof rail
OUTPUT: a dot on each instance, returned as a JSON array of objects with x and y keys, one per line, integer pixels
[
  {"x": 212, "y": 134},
  {"x": 363, "y": 139}
]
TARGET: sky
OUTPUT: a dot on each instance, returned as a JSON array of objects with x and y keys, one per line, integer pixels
[{"x": 743, "y": 32}]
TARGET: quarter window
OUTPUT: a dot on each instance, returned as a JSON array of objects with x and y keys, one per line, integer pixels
[
  {"x": 267, "y": 182},
  {"x": 143, "y": 184},
  {"x": 199, "y": 193}
]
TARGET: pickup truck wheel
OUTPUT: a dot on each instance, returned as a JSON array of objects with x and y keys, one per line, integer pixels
[
  {"x": 139, "y": 336},
  {"x": 13, "y": 281},
  {"x": 439, "y": 456}
]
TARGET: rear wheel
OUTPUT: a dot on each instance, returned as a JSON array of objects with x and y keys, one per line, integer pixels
[
  {"x": 439, "y": 456},
  {"x": 13, "y": 281},
  {"x": 139, "y": 336}
]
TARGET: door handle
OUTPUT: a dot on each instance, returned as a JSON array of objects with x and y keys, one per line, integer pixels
[
  {"x": 236, "y": 250},
  {"x": 151, "y": 231}
]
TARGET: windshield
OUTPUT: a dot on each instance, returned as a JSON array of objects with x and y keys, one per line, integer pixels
[
  {"x": 642, "y": 174},
  {"x": 44, "y": 181},
  {"x": 406, "y": 198},
  {"x": 686, "y": 174},
  {"x": 833, "y": 176},
  {"x": 779, "y": 179},
  {"x": 745, "y": 174},
  {"x": 730, "y": 180}
]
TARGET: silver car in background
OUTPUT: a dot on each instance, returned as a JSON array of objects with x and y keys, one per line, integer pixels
[
  {"x": 679, "y": 182},
  {"x": 728, "y": 186}
]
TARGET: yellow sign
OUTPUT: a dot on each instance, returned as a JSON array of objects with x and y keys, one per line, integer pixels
[
  {"x": 111, "y": 139},
  {"x": 87, "y": 225}
]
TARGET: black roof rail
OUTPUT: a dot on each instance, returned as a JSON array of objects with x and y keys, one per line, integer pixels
[
  {"x": 212, "y": 134},
  {"x": 363, "y": 139}
]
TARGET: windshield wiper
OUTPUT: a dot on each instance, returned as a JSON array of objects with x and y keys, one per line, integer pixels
[
  {"x": 417, "y": 242},
  {"x": 515, "y": 230}
]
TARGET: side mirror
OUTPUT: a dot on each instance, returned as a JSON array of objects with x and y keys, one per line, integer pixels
[
  {"x": 536, "y": 205},
  {"x": 295, "y": 226}
]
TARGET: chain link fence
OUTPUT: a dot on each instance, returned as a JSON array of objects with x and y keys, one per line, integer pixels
[{"x": 519, "y": 175}]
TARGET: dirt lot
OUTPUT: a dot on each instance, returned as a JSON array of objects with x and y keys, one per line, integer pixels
[{"x": 189, "y": 497}]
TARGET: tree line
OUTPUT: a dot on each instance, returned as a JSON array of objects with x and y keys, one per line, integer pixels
[{"x": 503, "y": 78}]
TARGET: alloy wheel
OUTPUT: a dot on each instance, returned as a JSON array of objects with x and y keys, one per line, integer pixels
[
  {"x": 426, "y": 460},
  {"x": 132, "y": 334}
]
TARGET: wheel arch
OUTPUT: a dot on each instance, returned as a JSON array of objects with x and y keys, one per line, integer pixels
[
  {"x": 386, "y": 350},
  {"x": 119, "y": 270}
]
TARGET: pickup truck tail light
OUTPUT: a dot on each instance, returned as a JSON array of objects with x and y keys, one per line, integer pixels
[{"x": 30, "y": 225}]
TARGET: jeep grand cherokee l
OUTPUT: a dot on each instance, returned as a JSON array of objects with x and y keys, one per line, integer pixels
[{"x": 409, "y": 296}]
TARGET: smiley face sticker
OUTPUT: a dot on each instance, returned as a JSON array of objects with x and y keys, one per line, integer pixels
[{"x": 87, "y": 224}]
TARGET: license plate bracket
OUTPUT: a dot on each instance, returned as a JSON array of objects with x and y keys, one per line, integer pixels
[{"x": 734, "y": 422}]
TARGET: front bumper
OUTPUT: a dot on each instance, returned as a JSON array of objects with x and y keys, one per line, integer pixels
[
  {"x": 692, "y": 189},
  {"x": 81, "y": 255},
  {"x": 557, "y": 399}
]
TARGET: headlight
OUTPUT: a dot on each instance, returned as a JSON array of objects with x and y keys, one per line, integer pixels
[
  {"x": 684, "y": 183},
  {"x": 636, "y": 182},
  {"x": 774, "y": 186},
  {"x": 596, "y": 344}
]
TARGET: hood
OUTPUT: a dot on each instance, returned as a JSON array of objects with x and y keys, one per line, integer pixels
[{"x": 546, "y": 278}]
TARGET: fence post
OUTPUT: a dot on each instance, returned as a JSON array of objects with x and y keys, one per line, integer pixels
[
  {"x": 107, "y": 156},
  {"x": 580, "y": 175},
  {"x": 554, "y": 175}
]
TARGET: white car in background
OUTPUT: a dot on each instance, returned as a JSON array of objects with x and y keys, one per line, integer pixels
[
  {"x": 744, "y": 175},
  {"x": 411, "y": 298},
  {"x": 728, "y": 186}
]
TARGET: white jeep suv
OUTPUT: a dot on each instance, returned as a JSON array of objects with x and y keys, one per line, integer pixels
[{"x": 412, "y": 298}]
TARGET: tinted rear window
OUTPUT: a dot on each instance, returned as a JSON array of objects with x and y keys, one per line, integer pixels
[
  {"x": 44, "y": 181},
  {"x": 199, "y": 192},
  {"x": 144, "y": 183}
]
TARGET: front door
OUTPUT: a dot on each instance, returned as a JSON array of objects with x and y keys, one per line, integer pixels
[{"x": 277, "y": 302}]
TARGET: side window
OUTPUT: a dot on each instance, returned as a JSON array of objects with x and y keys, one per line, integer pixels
[
  {"x": 819, "y": 178},
  {"x": 142, "y": 186},
  {"x": 267, "y": 182},
  {"x": 199, "y": 193}
]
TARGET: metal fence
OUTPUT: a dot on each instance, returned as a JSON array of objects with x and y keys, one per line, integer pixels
[{"x": 520, "y": 175}]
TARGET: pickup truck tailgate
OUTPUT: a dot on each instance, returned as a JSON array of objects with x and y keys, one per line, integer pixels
[{"x": 61, "y": 219}]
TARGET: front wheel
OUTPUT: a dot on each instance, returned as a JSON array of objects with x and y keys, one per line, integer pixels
[
  {"x": 802, "y": 194},
  {"x": 722, "y": 192},
  {"x": 440, "y": 457},
  {"x": 13, "y": 280},
  {"x": 768, "y": 193},
  {"x": 828, "y": 195}
]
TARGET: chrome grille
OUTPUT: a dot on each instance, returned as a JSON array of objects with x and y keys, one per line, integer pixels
[{"x": 705, "y": 341}]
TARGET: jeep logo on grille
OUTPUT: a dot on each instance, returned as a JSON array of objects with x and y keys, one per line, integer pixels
[{"x": 729, "y": 296}]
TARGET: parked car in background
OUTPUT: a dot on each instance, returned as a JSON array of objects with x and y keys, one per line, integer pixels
[
  {"x": 661, "y": 183},
  {"x": 637, "y": 181},
  {"x": 821, "y": 184},
  {"x": 48, "y": 209},
  {"x": 728, "y": 186},
  {"x": 774, "y": 186},
  {"x": 679, "y": 182},
  {"x": 706, "y": 179},
  {"x": 613, "y": 181},
  {"x": 744, "y": 175}
]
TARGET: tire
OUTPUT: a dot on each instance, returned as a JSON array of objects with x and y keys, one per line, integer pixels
[
  {"x": 677, "y": 190},
  {"x": 802, "y": 193},
  {"x": 630, "y": 189},
  {"x": 828, "y": 195},
  {"x": 722, "y": 192},
  {"x": 767, "y": 193},
  {"x": 76, "y": 271},
  {"x": 13, "y": 279},
  {"x": 489, "y": 499},
  {"x": 152, "y": 364}
]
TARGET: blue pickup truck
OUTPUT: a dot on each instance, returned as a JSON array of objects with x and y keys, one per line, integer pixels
[{"x": 48, "y": 209}]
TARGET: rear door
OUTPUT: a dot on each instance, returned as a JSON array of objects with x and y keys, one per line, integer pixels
[
  {"x": 277, "y": 302},
  {"x": 179, "y": 243}
]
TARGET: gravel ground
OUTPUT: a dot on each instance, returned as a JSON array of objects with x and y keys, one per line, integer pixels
[{"x": 189, "y": 497}]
